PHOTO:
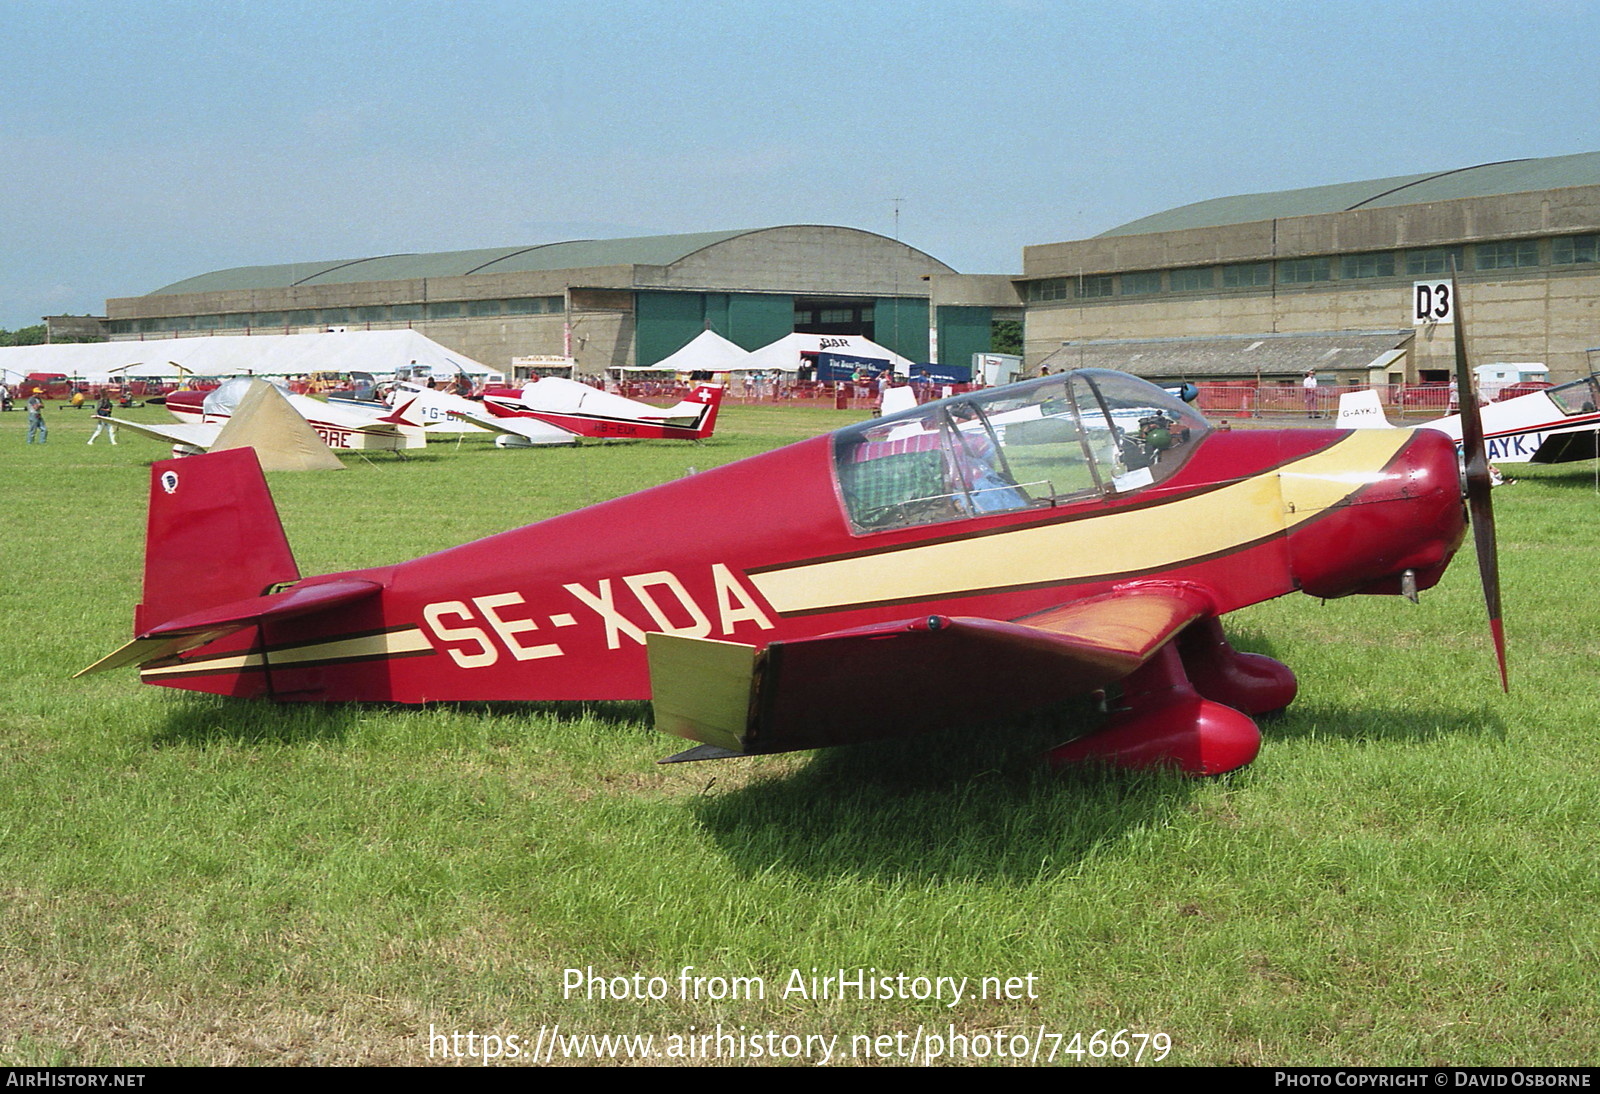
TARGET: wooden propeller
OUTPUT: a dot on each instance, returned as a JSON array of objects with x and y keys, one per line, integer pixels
[{"x": 1480, "y": 507}]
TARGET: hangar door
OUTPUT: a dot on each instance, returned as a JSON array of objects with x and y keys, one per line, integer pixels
[{"x": 667, "y": 321}]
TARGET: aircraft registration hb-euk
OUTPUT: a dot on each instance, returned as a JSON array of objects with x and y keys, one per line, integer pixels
[{"x": 962, "y": 561}]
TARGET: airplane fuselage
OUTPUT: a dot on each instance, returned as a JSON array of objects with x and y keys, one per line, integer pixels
[
  {"x": 765, "y": 549},
  {"x": 352, "y": 431}
]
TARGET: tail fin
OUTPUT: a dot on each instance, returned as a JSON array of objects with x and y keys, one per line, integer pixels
[
  {"x": 1361, "y": 410},
  {"x": 402, "y": 413},
  {"x": 711, "y": 395},
  {"x": 213, "y": 536}
]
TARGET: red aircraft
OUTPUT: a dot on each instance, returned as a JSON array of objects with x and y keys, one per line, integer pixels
[
  {"x": 590, "y": 412},
  {"x": 959, "y": 562}
]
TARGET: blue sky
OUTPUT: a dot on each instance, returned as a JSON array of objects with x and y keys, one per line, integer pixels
[{"x": 144, "y": 142}]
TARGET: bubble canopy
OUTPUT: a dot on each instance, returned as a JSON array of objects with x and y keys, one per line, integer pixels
[{"x": 1073, "y": 436}]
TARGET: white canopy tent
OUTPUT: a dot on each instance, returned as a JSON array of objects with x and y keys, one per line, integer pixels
[
  {"x": 377, "y": 352},
  {"x": 784, "y": 354},
  {"x": 707, "y": 351}
]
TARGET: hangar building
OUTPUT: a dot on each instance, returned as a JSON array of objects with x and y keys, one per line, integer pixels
[
  {"x": 1336, "y": 261},
  {"x": 605, "y": 302}
]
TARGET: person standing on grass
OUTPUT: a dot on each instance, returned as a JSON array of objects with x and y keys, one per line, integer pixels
[
  {"x": 1310, "y": 386},
  {"x": 102, "y": 412},
  {"x": 36, "y": 418}
]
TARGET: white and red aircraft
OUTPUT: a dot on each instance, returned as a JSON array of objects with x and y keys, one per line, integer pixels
[
  {"x": 1554, "y": 425},
  {"x": 446, "y": 412},
  {"x": 201, "y": 416},
  {"x": 590, "y": 412}
]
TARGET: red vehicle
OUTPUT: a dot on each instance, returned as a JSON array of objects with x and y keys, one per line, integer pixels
[
  {"x": 1432, "y": 397},
  {"x": 1517, "y": 390},
  {"x": 48, "y": 385},
  {"x": 961, "y": 561}
]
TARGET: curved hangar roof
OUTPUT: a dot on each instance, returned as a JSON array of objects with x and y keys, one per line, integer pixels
[
  {"x": 570, "y": 255},
  {"x": 1484, "y": 180}
]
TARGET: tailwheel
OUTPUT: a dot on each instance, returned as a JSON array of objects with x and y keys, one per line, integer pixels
[
  {"x": 1165, "y": 722},
  {"x": 1249, "y": 682}
]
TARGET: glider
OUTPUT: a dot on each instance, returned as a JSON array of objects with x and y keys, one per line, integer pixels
[{"x": 965, "y": 560}]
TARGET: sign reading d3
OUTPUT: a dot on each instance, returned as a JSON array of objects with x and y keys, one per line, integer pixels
[{"x": 1432, "y": 302}]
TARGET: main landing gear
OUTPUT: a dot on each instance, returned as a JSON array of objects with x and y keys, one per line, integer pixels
[{"x": 1189, "y": 708}]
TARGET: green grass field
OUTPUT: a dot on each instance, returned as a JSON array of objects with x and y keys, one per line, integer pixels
[{"x": 1407, "y": 874}]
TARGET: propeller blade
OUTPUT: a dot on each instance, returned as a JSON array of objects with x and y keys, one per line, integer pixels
[{"x": 1480, "y": 508}]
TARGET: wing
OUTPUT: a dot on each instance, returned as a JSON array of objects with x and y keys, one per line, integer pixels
[
  {"x": 1565, "y": 447},
  {"x": 191, "y": 436},
  {"x": 906, "y": 677},
  {"x": 527, "y": 431}
]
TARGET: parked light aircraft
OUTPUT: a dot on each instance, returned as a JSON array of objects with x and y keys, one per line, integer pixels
[
  {"x": 959, "y": 562},
  {"x": 1553, "y": 425},
  {"x": 201, "y": 416},
  {"x": 590, "y": 412},
  {"x": 445, "y": 412}
]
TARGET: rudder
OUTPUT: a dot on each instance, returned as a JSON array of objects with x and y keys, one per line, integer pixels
[{"x": 213, "y": 536}]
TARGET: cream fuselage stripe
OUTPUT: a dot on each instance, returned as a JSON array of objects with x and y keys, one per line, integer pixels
[
  {"x": 406, "y": 642},
  {"x": 1140, "y": 540}
]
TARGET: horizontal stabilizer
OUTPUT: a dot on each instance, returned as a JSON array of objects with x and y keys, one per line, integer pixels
[
  {"x": 908, "y": 676},
  {"x": 198, "y": 628}
]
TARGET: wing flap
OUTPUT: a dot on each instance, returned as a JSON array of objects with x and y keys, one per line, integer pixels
[{"x": 909, "y": 676}]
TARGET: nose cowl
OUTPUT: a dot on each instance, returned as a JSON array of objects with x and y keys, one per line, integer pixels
[{"x": 1402, "y": 511}]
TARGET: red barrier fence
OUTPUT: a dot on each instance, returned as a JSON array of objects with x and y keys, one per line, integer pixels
[{"x": 1249, "y": 399}]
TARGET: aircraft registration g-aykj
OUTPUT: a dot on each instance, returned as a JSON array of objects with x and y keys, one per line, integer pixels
[
  {"x": 965, "y": 560},
  {"x": 589, "y": 412},
  {"x": 1553, "y": 425},
  {"x": 202, "y": 415}
]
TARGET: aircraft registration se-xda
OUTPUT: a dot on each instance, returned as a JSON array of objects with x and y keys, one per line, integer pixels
[{"x": 962, "y": 561}]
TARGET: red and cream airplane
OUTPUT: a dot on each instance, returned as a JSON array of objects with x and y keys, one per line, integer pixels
[
  {"x": 959, "y": 562},
  {"x": 590, "y": 412}
]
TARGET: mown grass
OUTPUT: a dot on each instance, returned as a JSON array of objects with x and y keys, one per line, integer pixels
[{"x": 1406, "y": 875}]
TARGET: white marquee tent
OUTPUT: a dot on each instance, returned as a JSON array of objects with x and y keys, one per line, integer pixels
[
  {"x": 377, "y": 352},
  {"x": 707, "y": 351},
  {"x": 784, "y": 354}
]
